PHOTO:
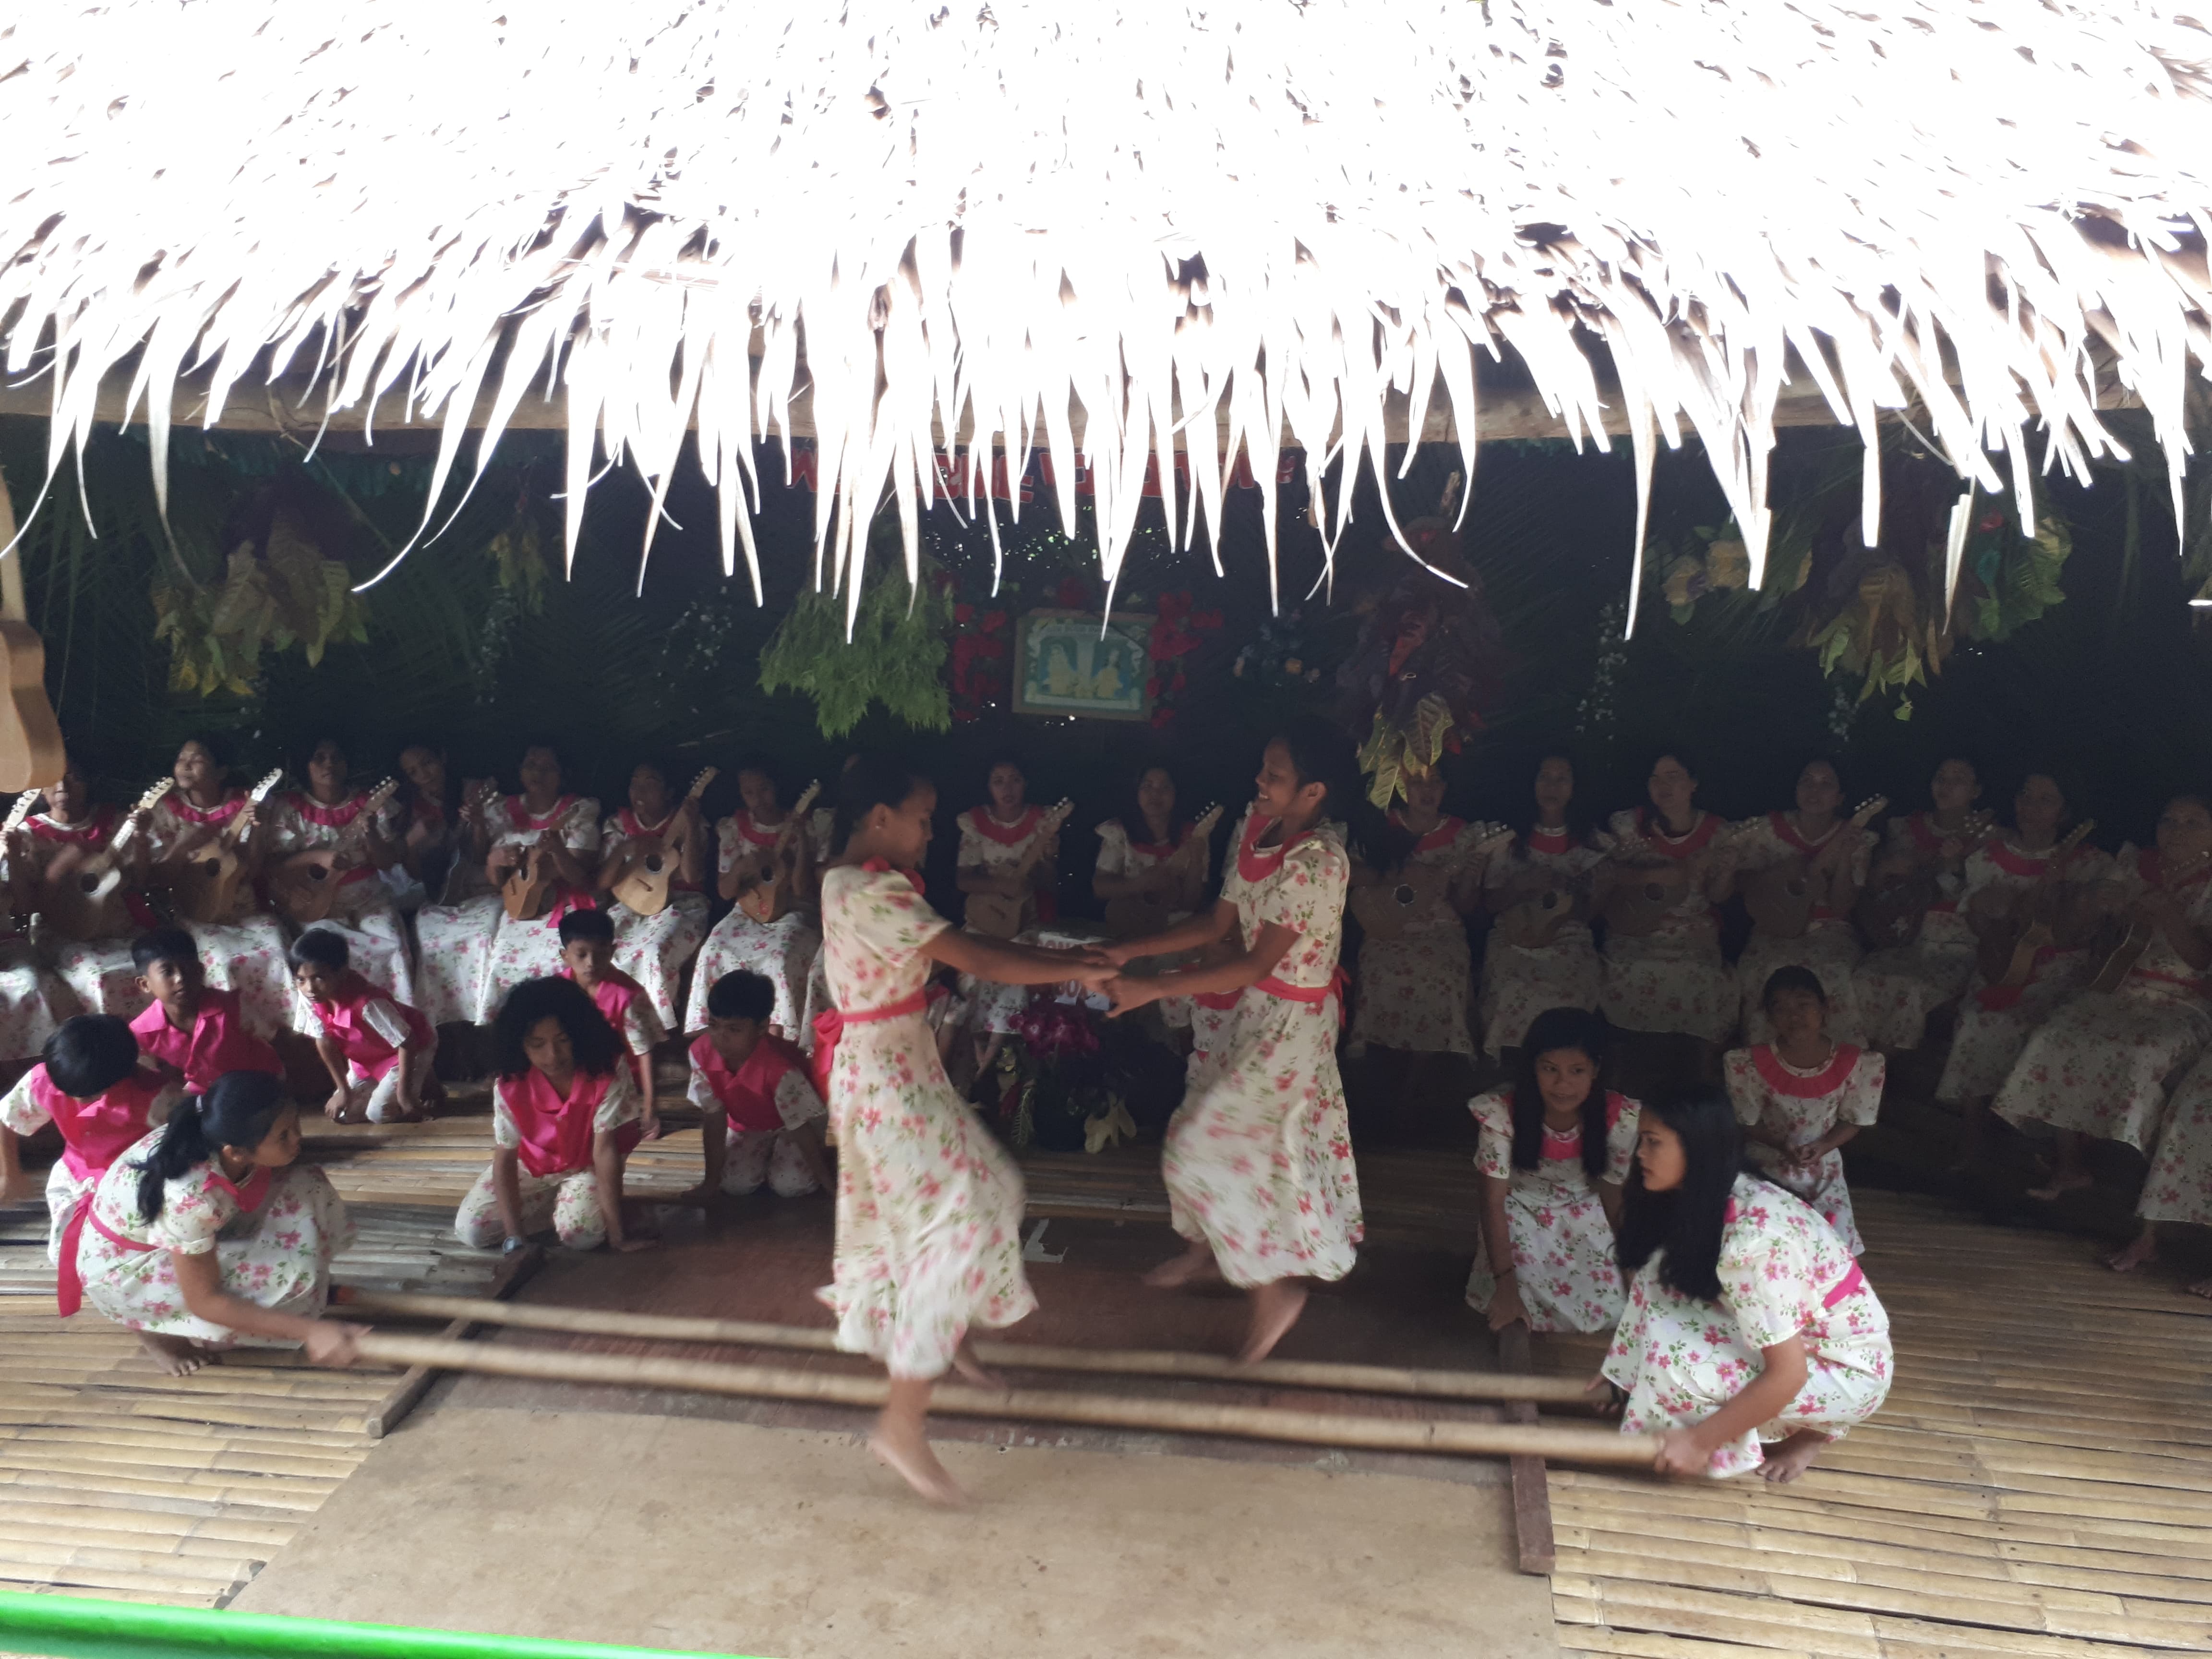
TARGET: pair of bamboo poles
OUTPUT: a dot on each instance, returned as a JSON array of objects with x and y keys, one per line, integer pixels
[{"x": 1556, "y": 1442}]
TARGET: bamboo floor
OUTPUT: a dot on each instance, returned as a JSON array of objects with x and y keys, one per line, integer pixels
[{"x": 2039, "y": 1485}]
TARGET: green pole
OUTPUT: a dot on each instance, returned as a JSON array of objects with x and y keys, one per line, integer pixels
[{"x": 81, "y": 1627}]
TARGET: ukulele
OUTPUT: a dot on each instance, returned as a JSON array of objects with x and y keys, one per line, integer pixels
[
  {"x": 84, "y": 900},
  {"x": 2139, "y": 935},
  {"x": 1537, "y": 921},
  {"x": 2010, "y": 938},
  {"x": 31, "y": 753},
  {"x": 1386, "y": 909},
  {"x": 1140, "y": 914},
  {"x": 650, "y": 866},
  {"x": 305, "y": 885},
  {"x": 995, "y": 914},
  {"x": 17, "y": 813},
  {"x": 1637, "y": 904},
  {"x": 1780, "y": 896},
  {"x": 1902, "y": 889},
  {"x": 211, "y": 879},
  {"x": 771, "y": 898}
]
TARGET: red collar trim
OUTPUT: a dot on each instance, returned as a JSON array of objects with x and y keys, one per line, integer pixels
[
  {"x": 2149, "y": 865},
  {"x": 1162, "y": 849},
  {"x": 1790, "y": 835},
  {"x": 633, "y": 827},
  {"x": 522, "y": 820},
  {"x": 330, "y": 818},
  {"x": 744, "y": 820},
  {"x": 1549, "y": 841},
  {"x": 1783, "y": 1081},
  {"x": 1254, "y": 865},
  {"x": 1006, "y": 834},
  {"x": 1925, "y": 834},
  {"x": 232, "y": 804},
  {"x": 876, "y": 867},
  {"x": 1445, "y": 833},
  {"x": 1569, "y": 1145},
  {"x": 93, "y": 830},
  {"x": 1699, "y": 835},
  {"x": 2017, "y": 861}
]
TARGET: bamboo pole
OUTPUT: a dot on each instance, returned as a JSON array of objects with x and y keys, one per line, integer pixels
[
  {"x": 1558, "y": 1442},
  {"x": 1123, "y": 1362}
]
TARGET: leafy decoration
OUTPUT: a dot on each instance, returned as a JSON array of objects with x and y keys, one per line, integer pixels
[
  {"x": 895, "y": 655},
  {"x": 288, "y": 594}
]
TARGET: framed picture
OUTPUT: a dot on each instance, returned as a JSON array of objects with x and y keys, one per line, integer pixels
[{"x": 1064, "y": 664}]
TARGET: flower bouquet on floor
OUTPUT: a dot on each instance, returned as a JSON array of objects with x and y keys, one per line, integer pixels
[{"x": 1070, "y": 1080}]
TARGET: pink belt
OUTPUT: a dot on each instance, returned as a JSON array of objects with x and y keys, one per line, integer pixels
[
  {"x": 1849, "y": 1284},
  {"x": 69, "y": 1285},
  {"x": 1216, "y": 1001},
  {"x": 830, "y": 1025},
  {"x": 2199, "y": 985},
  {"x": 1313, "y": 995}
]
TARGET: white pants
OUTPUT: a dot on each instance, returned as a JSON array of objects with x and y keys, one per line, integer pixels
[{"x": 754, "y": 1156}]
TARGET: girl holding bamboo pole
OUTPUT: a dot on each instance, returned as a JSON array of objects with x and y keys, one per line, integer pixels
[{"x": 929, "y": 1209}]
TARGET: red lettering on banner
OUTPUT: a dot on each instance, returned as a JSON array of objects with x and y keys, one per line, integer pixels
[{"x": 802, "y": 466}]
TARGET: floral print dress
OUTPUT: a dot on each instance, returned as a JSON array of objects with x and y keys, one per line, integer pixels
[
  {"x": 995, "y": 846},
  {"x": 1994, "y": 1021},
  {"x": 1672, "y": 979},
  {"x": 362, "y": 913},
  {"x": 2106, "y": 1062},
  {"x": 1258, "y": 1159},
  {"x": 472, "y": 954},
  {"x": 1120, "y": 856},
  {"x": 1829, "y": 946},
  {"x": 2179, "y": 1185},
  {"x": 1563, "y": 1245},
  {"x": 782, "y": 952},
  {"x": 274, "y": 1236},
  {"x": 1803, "y": 1104},
  {"x": 98, "y": 972},
  {"x": 93, "y": 1133},
  {"x": 1899, "y": 985},
  {"x": 655, "y": 950},
  {"x": 244, "y": 953},
  {"x": 929, "y": 1206},
  {"x": 1783, "y": 1272},
  {"x": 1414, "y": 990},
  {"x": 1520, "y": 982},
  {"x": 555, "y": 1175}
]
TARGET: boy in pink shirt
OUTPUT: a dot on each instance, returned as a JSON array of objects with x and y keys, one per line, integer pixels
[
  {"x": 192, "y": 1031},
  {"x": 379, "y": 1050},
  {"x": 587, "y": 956},
  {"x": 760, "y": 1117}
]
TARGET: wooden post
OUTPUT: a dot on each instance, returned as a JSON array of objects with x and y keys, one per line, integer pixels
[
  {"x": 407, "y": 1393},
  {"x": 31, "y": 754},
  {"x": 1532, "y": 1492}
]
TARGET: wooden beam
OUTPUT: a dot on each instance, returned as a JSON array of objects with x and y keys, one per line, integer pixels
[
  {"x": 401, "y": 1399},
  {"x": 1532, "y": 1492}
]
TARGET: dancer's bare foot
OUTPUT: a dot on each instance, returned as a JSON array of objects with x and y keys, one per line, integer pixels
[
  {"x": 1195, "y": 1264},
  {"x": 973, "y": 1369},
  {"x": 1275, "y": 1309},
  {"x": 1786, "y": 1461},
  {"x": 907, "y": 1454},
  {"x": 176, "y": 1356},
  {"x": 2202, "y": 1287},
  {"x": 2065, "y": 1182},
  {"x": 2138, "y": 1252}
]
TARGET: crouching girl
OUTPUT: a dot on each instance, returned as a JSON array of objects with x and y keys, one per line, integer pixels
[
  {"x": 1748, "y": 1323},
  {"x": 208, "y": 1233},
  {"x": 565, "y": 1089}
]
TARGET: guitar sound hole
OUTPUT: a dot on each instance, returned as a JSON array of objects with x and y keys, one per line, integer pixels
[
  {"x": 1404, "y": 893},
  {"x": 653, "y": 863}
]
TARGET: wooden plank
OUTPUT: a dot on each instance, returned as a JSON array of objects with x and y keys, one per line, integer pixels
[
  {"x": 1532, "y": 1497},
  {"x": 403, "y": 1395}
]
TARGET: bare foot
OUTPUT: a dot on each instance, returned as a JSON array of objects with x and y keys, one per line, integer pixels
[
  {"x": 1786, "y": 1461},
  {"x": 1195, "y": 1264},
  {"x": 2065, "y": 1182},
  {"x": 2138, "y": 1252},
  {"x": 2202, "y": 1287},
  {"x": 912, "y": 1461},
  {"x": 1275, "y": 1309},
  {"x": 965, "y": 1362},
  {"x": 176, "y": 1356}
]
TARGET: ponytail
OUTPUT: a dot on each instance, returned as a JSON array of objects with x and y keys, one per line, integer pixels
[
  {"x": 1320, "y": 753},
  {"x": 238, "y": 1111},
  {"x": 880, "y": 778}
]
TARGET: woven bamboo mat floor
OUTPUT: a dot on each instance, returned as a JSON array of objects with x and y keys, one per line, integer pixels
[{"x": 2039, "y": 1485}]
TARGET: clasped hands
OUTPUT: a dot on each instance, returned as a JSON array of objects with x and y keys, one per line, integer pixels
[{"x": 1098, "y": 967}]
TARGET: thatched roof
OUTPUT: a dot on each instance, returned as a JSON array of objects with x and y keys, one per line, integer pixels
[{"x": 1237, "y": 224}]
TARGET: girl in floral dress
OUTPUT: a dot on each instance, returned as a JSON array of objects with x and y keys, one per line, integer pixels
[
  {"x": 362, "y": 913},
  {"x": 2102, "y": 1065},
  {"x": 1803, "y": 1096},
  {"x": 654, "y": 949},
  {"x": 1995, "y": 1020},
  {"x": 1555, "y": 1151},
  {"x": 1258, "y": 1161},
  {"x": 1748, "y": 1326},
  {"x": 782, "y": 952},
  {"x": 1414, "y": 990},
  {"x": 434, "y": 833},
  {"x": 994, "y": 838},
  {"x": 243, "y": 952},
  {"x": 208, "y": 1233},
  {"x": 1133, "y": 868},
  {"x": 52, "y": 843},
  {"x": 1672, "y": 980},
  {"x": 565, "y": 1091},
  {"x": 1897, "y": 987},
  {"x": 2179, "y": 1185},
  {"x": 929, "y": 1207},
  {"x": 1520, "y": 981},
  {"x": 1834, "y": 852}
]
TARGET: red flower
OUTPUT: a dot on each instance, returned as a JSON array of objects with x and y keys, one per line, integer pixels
[
  {"x": 963, "y": 613},
  {"x": 1178, "y": 682},
  {"x": 1162, "y": 716},
  {"x": 1152, "y": 688},
  {"x": 1071, "y": 595},
  {"x": 994, "y": 621}
]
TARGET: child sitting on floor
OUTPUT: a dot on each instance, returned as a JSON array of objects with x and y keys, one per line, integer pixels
[
  {"x": 90, "y": 1087},
  {"x": 562, "y": 1096},
  {"x": 761, "y": 1119},
  {"x": 587, "y": 957},
  {"x": 378, "y": 1049},
  {"x": 192, "y": 1031}
]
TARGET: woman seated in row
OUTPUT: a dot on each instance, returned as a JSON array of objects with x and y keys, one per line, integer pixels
[
  {"x": 81, "y": 868},
  {"x": 1671, "y": 865},
  {"x": 658, "y": 842},
  {"x": 329, "y": 845},
  {"x": 1149, "y": 875},
  {"x": 1415, "y": 983},
  {"x": 1919, "y": 885},
  {"x": 432, "y": 833},
  {"x": 1007, "y": 853},
  {"x": 768, "y": 853},
  {"x": 1800, "y": 873},
  {"x": 1540, "y": 954}
]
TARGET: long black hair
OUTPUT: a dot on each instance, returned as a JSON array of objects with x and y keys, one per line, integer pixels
[
  {"x": 1550, "y": 1031},
  {"x": 1131, "y": 814},
  {"x": 880, "y": 778},
  {"x": 1684, "y": 1224},
  {"x": 1579, "y": 817},
  {"x": 1321, "y": 753},
  {"x": 597, "y": 1047},
  {"x": 238, "y": 1111}
]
